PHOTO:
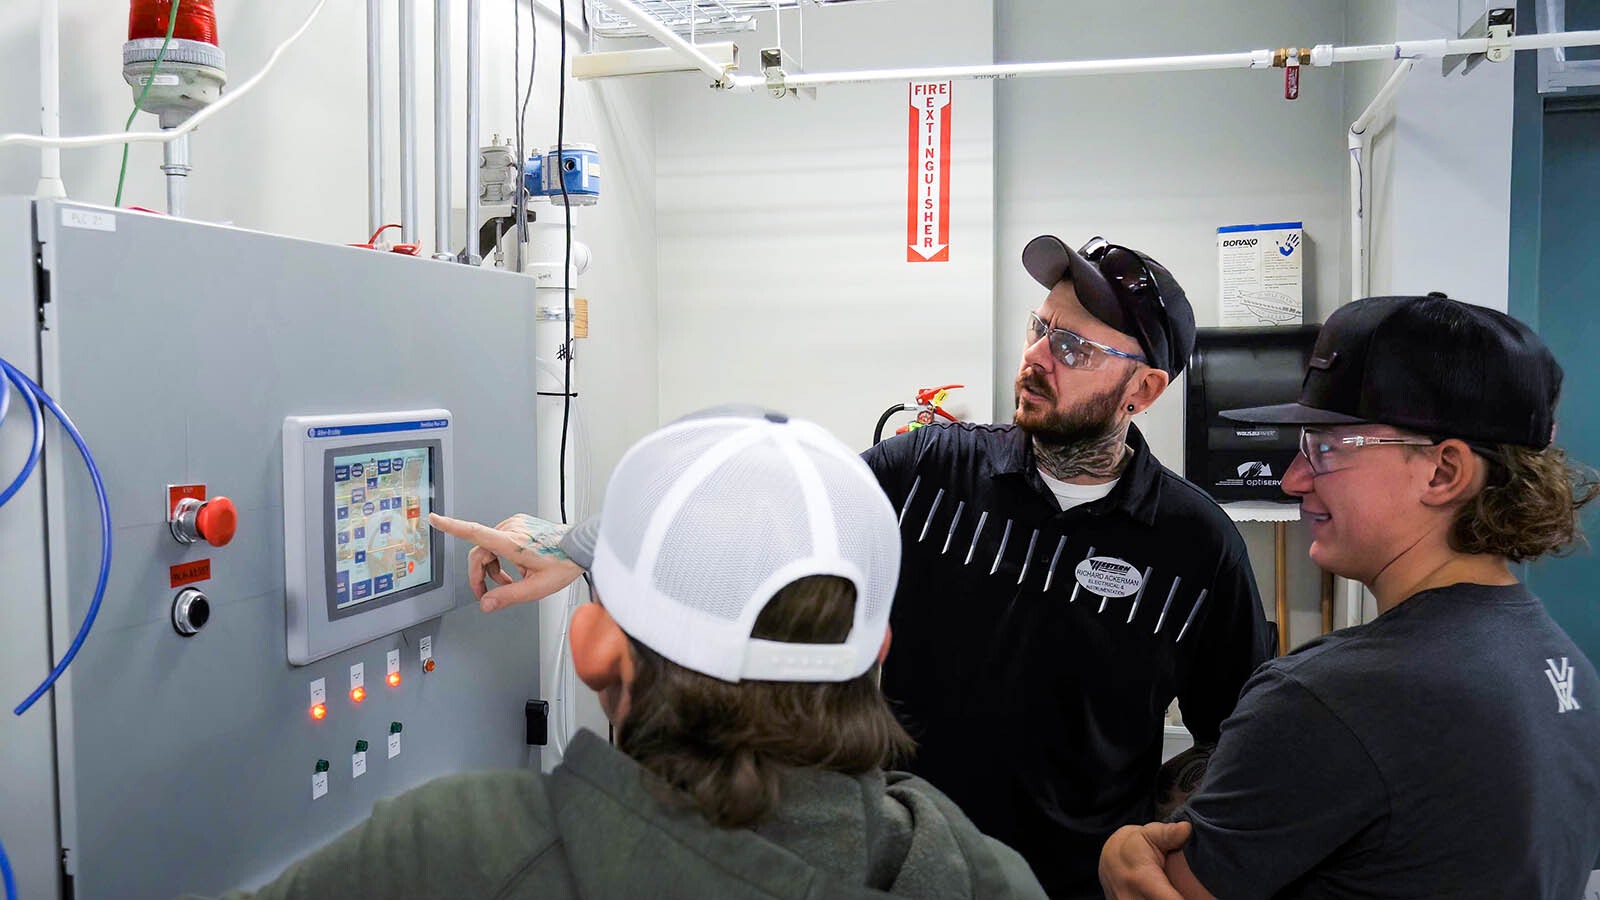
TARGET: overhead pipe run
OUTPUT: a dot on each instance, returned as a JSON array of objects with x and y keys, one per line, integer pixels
[
  {"x": 1321, "y": 55},
  {"x": 658, "y": 29}
]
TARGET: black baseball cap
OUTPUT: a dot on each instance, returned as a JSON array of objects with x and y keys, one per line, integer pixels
[
  {"x": 1124, "y": 289},
  {"x": 1430, "y": 364}
]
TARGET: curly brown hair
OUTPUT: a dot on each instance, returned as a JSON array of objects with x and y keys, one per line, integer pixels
[
  {"x": 720, "y": 746},
  {"x": 1529, "y": 506}
]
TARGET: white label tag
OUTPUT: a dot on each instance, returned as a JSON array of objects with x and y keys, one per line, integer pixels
[
  {"x": 394, "y": 745},
  {"x": 425, "y": 646},
  {"x": 162, "y": 80},
  {"x": 319, "y": 785},
  {"x": 93, "y": 221},
  {"x": 358, "y": 676},
  {"x": 1108, "y": 576},
  {"x": 358, "y": 765},
  {"x": 394, "y": 662},
  {"x": 319, "y": 691}
]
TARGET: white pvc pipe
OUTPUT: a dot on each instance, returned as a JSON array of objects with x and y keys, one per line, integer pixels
[
  {"x": 469, "y": 254},
  {"x": 658, "y": 29},
  {"x": 50, "y": 183},
  {"x": 1257, "y": 59},
  {"x": 1254, "y": 59},
  {"x": 1380, "y": 101},
  {"x": 441, "y": 130},
  {"x": 374, "y": 116},
  {"x": 408, "y": 122},
  {"x": 1356, "y": 147},
  {"x": 1358, "y": 142}
]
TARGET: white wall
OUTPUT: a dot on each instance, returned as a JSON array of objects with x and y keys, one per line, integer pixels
[
  {"x": 291, "y": 159},
  {"x": 782, "y": 226},
  {"x": 1449, "y": 225}
]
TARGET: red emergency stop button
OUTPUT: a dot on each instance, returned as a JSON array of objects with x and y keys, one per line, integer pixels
[
  {"x": 213, "y": 521},
  {"x": 217, "y": 520}
]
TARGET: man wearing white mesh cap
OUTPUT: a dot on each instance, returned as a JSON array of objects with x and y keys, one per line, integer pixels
[{"x": 743, "y": 567}]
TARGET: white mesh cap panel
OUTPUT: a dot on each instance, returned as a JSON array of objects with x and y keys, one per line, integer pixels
[
  {"x": 645, "y": 485},
  {"x": 705, "y": 520},
  {"x": 738, "y": 527},
  {"x": 875, "y": 551}
]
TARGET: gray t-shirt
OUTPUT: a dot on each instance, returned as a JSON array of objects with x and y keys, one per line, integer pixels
[{"x": 1450, "y": 748}]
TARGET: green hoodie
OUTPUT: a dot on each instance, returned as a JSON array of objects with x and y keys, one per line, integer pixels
[{"x": 592, "y": 828}]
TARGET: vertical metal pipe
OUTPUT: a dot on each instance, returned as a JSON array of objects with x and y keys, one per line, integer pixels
[
  {"x": 175, "y": 162},
  {"x": 469, "y": 253},
  {"x": 441, "y": 131},
  {"x": 374, "y": 115},
  {"x": 408, "y": 121}
]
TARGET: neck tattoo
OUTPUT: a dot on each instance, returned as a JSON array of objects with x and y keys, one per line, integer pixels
[{"x": 1103, "y": 457}]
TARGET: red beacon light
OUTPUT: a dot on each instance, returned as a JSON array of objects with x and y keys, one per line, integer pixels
[{"x": 173, "y": 79}]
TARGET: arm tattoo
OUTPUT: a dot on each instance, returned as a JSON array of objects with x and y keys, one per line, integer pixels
[
  {"x": 541, "y": 536},
  {"x": 1103, "y": 457},
  {"x": 1179, "y": 778}
]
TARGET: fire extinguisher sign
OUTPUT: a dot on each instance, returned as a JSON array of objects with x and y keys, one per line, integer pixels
[{"x": 928, "y": 174}]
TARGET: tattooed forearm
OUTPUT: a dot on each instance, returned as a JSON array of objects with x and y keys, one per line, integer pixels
[
  {"x": 1103, "y": 457},
  {"x": 539, "y": 535}
]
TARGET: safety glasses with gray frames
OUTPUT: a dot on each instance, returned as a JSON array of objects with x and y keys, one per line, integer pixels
[
  {"x": 1072, "y": 349},
  {"x": 1327, "y": 453}
]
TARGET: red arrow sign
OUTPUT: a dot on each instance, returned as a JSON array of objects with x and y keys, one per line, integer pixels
[{"x": 928, "y": 174}]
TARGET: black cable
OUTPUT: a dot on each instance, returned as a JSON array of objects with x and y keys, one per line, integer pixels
[
  {"x": 566, "y": 270},
  {"x": 877, "y": 432}
]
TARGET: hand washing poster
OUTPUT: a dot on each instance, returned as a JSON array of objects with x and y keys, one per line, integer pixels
[{"x": 1259, "y": 267}]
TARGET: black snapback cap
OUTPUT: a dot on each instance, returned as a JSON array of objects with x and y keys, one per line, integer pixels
[{"x": 1427, "y": 364}]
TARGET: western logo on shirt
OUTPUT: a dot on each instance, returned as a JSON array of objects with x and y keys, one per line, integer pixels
[
  {"x": 1108, "y": 576},
  {"x": 1561, "y": 679}
]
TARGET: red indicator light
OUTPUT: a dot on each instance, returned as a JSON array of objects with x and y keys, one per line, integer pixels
[
  {"x": 394, "y": 679},
  {"x": 319, "y": 712},
  {"x": 358, "y": 694}
]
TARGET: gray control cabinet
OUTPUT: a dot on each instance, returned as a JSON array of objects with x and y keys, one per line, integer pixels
[{"x": 175, "y": 764}]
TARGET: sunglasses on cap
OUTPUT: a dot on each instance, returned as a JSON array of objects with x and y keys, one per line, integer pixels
[{"x": 1126, "y": 271}]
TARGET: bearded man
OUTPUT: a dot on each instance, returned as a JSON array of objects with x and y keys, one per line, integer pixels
[{"x": 1059, "y": 586}]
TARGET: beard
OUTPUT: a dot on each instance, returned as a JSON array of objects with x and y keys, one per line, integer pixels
[{"x": 1091, "y": 419}]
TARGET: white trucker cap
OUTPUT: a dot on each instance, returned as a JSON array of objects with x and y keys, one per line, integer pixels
[{"x": 706, "y": 519}]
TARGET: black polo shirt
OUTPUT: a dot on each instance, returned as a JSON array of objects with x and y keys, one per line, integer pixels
[{"x": 1037, "y": 703}]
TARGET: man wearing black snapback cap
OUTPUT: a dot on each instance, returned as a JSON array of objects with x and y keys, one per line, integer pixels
[
  {"x": 1059, "y": 586},
  {"x": 1450, "y": 747}
]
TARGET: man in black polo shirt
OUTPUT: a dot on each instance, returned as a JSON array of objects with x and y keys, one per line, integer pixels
[{"x": 1059, "y": 586}]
